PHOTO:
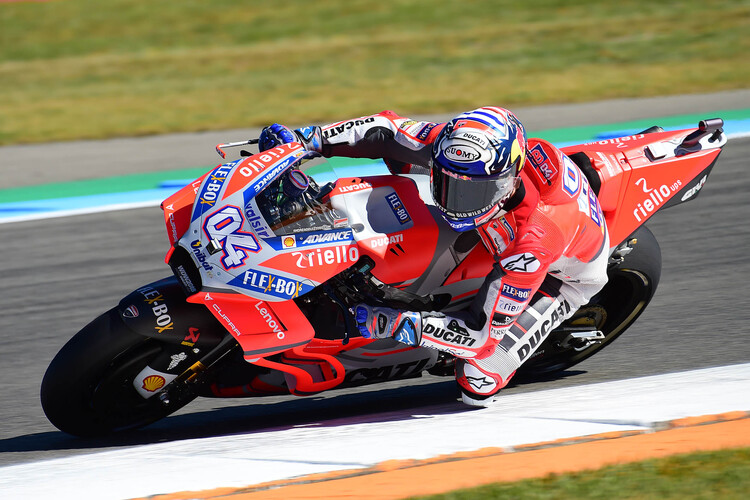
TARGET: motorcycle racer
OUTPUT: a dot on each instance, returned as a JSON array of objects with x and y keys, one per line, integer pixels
[{"x": 532, "y": 208}]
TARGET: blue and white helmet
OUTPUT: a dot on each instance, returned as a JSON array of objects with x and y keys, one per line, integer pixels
[{"x": 476, "y": 163}]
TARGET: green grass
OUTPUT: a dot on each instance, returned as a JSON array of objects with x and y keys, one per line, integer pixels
[
  {"x": 72, "y": 69},
  {"x": 715, "y": 475}
]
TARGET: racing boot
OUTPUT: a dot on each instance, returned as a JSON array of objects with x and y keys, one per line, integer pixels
[{"x": 479, "y": 386}]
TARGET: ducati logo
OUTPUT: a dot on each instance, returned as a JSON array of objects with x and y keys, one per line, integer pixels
[{"x": 130, "y": 312}]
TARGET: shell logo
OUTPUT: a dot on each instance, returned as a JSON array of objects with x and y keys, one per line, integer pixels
[
  {"x": 289, "y": 242},
  {"x": 153, "y": 383}
]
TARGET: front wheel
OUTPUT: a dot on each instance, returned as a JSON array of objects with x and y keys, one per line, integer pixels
[
  {"x": 88, "y": 388},
  {"x": 632, "y": 283}
]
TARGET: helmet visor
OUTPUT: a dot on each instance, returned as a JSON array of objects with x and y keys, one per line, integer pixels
[{"x": 463, "y": 196}]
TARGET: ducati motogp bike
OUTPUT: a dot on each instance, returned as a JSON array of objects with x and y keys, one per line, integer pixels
[{"x": 267, "y": 265}]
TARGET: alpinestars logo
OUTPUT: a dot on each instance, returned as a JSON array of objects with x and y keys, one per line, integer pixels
[
  {"x": 407, "y": 332},
  {"x": 479, "y": 382},
  {"x": 523, "y": 263}
]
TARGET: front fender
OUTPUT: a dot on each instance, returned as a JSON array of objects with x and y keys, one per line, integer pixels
[{"x": 159, "y": 310}]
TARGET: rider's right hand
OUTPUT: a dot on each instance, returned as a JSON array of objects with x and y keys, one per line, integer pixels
[
  {"x": 384, "y": 322},
  {"x": 275, "y": 135}
]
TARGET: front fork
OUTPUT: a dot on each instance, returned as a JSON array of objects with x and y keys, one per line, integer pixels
[
  {"x": 187, "y": 382},
  {"x": 191, "y": 339}
]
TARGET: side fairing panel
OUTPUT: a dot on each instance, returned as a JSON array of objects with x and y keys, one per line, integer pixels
[
  {"x": 395, "y": 229},
  {"x": 403, "y": 232}
]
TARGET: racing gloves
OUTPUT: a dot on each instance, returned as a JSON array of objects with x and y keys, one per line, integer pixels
[
  {"x": 277, "y": 134},
  {"x": 384, "y": 322}
]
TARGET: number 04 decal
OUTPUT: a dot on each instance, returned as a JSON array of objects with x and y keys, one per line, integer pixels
[{"x": 224, "y": 226}]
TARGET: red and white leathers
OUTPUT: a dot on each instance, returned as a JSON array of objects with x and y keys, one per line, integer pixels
[{"x": 549, "y": 242}]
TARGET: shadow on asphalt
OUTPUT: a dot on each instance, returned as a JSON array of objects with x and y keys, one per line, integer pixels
[
  {"x": 259, "y": 416},
  {"x": 267, "y": 414}
]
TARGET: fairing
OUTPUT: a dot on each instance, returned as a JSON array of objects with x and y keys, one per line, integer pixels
[
  {"x": 248, "y": 260},
  {"x": 644, "y": 173}
]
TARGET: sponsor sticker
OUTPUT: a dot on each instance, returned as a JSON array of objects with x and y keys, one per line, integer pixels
[
  {"x": 509, "y": 307},
  {"x": 153, "y": 383},
  {"x": 155, "y": 300},
  {"x": 384, "y": 241},
  {"x": 130, "y": 312},
  {"x": 326, "y": 237},
  {"x": 571, "y": 177},
  {"x": 358, "y": 186},
  {"x": 468, "y": 135},
  {"x": 309, "y": 239},
  {"x": 334, "y": 130},
  {"x": 453, "y": 334},
  {"x": 272, "y": 321},
  {"x": 398, "y": 208},
  {"x": 176, "y": 360},
  {"x": 192, "y": 337},
  {"x": 209, "y": 192},
  {"x": 549, "y": 320},
  {"x": 339, "y": 254},
  {"x": 461, "y": 154},
  {"x": 256, "y": 221},
  {"x": 656, "y": 197},
  {"x": 541, "y": 162},
  {"x": 517, "y": 294},
  {"x": 425, "y": 132},
  {"x": 195, "y": 245},
  {"x": 694, "y": 190},
  {"x": 271, "y": 284}
]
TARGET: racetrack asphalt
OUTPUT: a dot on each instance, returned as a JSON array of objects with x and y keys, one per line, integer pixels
[{"x": 27, "y": 165}]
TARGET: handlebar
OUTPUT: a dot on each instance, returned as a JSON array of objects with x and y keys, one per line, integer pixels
[
  {"x": 712, "y": 127},
  {"x": 232, "y": 145}
]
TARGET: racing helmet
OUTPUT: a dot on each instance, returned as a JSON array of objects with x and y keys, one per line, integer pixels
[{"x": 476, "y": 163}]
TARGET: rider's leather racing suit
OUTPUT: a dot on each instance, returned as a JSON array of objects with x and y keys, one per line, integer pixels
[{"x": 550, "y": 246}]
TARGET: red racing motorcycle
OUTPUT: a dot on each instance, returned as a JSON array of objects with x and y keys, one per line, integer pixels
[{"x": 267, "y": 265}]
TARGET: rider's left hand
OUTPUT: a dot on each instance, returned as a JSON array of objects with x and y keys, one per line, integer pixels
[
  {"x": 384, "y": 322},
  {"x": 275, "y": 135}
]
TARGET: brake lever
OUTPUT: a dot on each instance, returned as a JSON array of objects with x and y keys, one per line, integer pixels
[{"x": 220, "y": 150}]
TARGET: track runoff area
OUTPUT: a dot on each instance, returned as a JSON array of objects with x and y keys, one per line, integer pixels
[{"x": 401, "y": 453}]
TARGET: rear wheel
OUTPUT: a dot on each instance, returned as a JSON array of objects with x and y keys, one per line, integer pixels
[
  {"x": 88, "y": 388},
  {"x": 632, "y": 283}
]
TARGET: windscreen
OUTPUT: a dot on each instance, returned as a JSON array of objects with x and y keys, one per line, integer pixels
[{"x": 294, "y": 203}]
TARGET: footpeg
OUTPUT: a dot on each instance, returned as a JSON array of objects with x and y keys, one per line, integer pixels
[{"x": 582, "y": 339}]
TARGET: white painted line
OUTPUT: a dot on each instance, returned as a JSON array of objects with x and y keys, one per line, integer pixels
[
  {"x": 248, "y": 459},
  {"x": 53, "y": 214}
]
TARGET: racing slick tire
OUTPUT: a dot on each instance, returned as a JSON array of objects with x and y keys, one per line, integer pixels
[
  {"x": 88, "y": 387},
  {"x": 632, "y": 283}
]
